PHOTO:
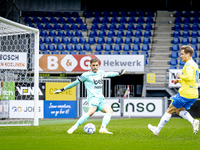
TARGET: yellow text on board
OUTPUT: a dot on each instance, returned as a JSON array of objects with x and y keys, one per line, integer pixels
[
  {"x": 50, "y": 87},
  {"x": 150, "y": 77}
]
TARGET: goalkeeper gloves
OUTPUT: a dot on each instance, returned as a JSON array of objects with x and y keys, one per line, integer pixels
[
  {"x": 122, "y": 72},
  {"x": 58, "y": 91}
]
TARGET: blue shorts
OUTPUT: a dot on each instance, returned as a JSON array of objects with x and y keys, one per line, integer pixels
[
  {"x": 100, "y": 104},
  {"x": 179, "y": 101}
]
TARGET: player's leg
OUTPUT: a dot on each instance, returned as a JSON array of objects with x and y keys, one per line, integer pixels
[
  {"x": 105, "y": 108},
  {"x": 90, "y": 112}
]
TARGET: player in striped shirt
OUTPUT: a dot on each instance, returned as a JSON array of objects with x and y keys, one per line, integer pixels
[
  {"x": 187, "y": 94},
  {"x": 93, "y": 81}
]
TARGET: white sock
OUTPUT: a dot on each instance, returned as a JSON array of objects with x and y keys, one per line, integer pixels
[
  {"x": 165, "y": 118},
  {"x": 186, "y": 115}
]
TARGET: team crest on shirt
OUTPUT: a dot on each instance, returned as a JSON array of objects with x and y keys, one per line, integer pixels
[{"x": 187, "y": 64}]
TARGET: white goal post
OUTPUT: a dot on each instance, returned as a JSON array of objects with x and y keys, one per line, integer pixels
[{"x": 19, "y": 68}]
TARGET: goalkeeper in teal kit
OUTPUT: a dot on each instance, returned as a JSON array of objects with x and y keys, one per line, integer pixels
[{"x": 93, "y": 81}]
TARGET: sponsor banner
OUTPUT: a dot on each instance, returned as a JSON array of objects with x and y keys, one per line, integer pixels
[
  {"x": 113, "y": 103},
  {"x": 4, "y": 109},
  {"x": 13, "y": 60},
  {"x": 172, "y": 77},
  {"x": 143, "y": 107},
  {"x": 8, "y": 92},
  {"x": 26, "y": 91},
  {"x": 133, "y": 63},
  {"x": 25, "y": 109},
  {"x": 50, "y": 87},
  {"x": 60, "y": 109}
]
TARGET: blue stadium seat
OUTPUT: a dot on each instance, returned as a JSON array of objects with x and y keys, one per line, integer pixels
[
  {"x": 70, "y": 34},
  {"x": 195, "y": 20},
  {"x": 40, "y": 27},
  {"x": 176, "y": 41},
  {"x": 115, "y": 14},
  {"x": 133, "y": 14},
  {"x": 123, "y": 21},
  {"x": 56, "y": 40},
  {"x": 178, "y": 14},
  {"x": 186, "y": 21},
  {"x": 141, "y": 14},
  {"x": 186, "y": 27},
  {"x": 42, "y": 47},
  {"x": 102, "y": 34},
  {"x": 93, "y": 34},
  {"x": 178, "y": 21},
  {"x": 145, "y": 47},
  {"x": 128, "y": 40},
  {"x": 73, "y": 40},
  {"x": 70, "y": 21},
  {"x": 87, "y": 47},
  {"x": 150, "y": 14},
  {"x": 55, "y": 52},
  {"x": 196, "y": 14},
  {"x": 149, "y": 20},
  {"x": 57, "y": 27},
  {"x": 78, "y": 34},
  {"x": 138, "y": 33},
  {"x": 147, "y": 34},
  {"x": 101, "y": 40},
  {"x": 185, "y": 41},
  {"x": 78, "y": 47},
  {"x": 81, "y": 53},
  {"x": 72, "y": 53},
  {"x": 82, "y": 41},
  {"x": 173, "y": 62},
  {"x": 112, "y": 27},
  {"x": 148, "y": 27},
  {"x": 61, "y": 33},
  {"x": 52, "y": 33},
  {"x": 53, "y": 20},
  {"x": 125, "y": 53},
  {"x": 140, "y": 20},
  {"x": 65, "y": 40},
  {"x": 187, "y": 14},
  {"x": 107, "y": 53},
  {"x": 96, "y": 21},
  {"x": 36, "y": 19},
  {"x": 186, "y": 34},
  {"x": 181, "y": 62},
  {"x": 199, "y": 62},
  {"x": 129, "y": 34},
  {"x": 173, "y": 67},
  {"x": 45, "y": 52},
  {"x": 106, "y": 14},
  {"x": 31, "y": 25},
  {"x": 110, "y": 41},
  {"x": 121, "y": 27},
  {"x": 139, "y": 27},
  {"x": 181, "y": 67},
  {"x": 43, "y": 34},
  {"x": 137, "y": 40},
  {"x": 44, "y": 20},
  {"x": 97, "y": 14},
  {"x": 66, "y": 14},
  {"x": 194, "y": 41},
  {"x": 145, "y": 53},
  {"x": 69, "y": 47},
  {"x": 195, "y": 34},
  {"x": 117, "y": 47},
  {"x": 48, "y": 27},
  {"x": 177, "y": 27},
  {"x": 111, "y": 34},
  {"x": 127, "y": 47},
  {"x": 79, "y": 21},
  {"x": 91, "y": 40},
  {"x": 124, "y": 14},
  {"x": 41, "y": 41},
  {"x": 99, "y": 48},
  {"x": 47, "y": 40},
  {"x": 95, "y": 27},
  {"x": 105, "y": 21},
  {"x": 194, "y": 55},
  {"x": 174, "y": 55},
  {"x": 120, "y": 34},
  {"x": 114, "y": 21},
  {"x": 195, "y": 48},
  {"x": 135, "y": 53},
  {"x": 146, "y": 41},
  {"x": 65, "y": 27},
  {"x": 130, "y": 27},
  {"x": 103, "y": 27},
  {"x": 74, "y": 27},
  {"x": 175, "y": 48},
  {"x": 60, "y": 47},
  {"x": 28, "y": 20},
  {"x": 83, "y": 27},
  {"x": 61, "y": 20},
  {"x": 49, "y": 14},
  {"x": 108, "y": 48},
  {"x": 177, "y": 34},
  {"x": 97, "y": 53},
  {"x": 131, "y": 21},
  {"x": 119, "y": 41},
  {"x": 116, "y": 53},
  {"x": 136, "y": 47},
  {"x": 51, "y": 47}
]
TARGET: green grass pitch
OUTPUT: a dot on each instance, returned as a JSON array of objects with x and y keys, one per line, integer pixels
[{"x": 127, "y": 134}]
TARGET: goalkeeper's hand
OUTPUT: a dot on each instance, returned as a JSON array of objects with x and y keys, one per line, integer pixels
[
  {"x": 58, "y": 91},
  {"x": 122, "y": 72}
]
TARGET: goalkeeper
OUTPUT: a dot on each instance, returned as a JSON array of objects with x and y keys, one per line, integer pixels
[{"x": 93, "y": 81}]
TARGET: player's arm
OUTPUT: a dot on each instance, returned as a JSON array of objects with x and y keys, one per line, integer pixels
[
  {"x": 113, "y": 74},
  {"x": 71, "y": 85},
  {"x": 188, "y": 75}
]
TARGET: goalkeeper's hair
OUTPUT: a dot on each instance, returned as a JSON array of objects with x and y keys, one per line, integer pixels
[{"x": 94, "y": 60}]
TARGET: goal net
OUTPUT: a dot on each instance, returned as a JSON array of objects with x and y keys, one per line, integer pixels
[{"x": 19, "y": 74}]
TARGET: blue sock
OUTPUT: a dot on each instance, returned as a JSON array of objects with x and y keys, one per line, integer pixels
[
  {"x": 106, "y": 119},
  {"x": 82, "y": 119}
]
